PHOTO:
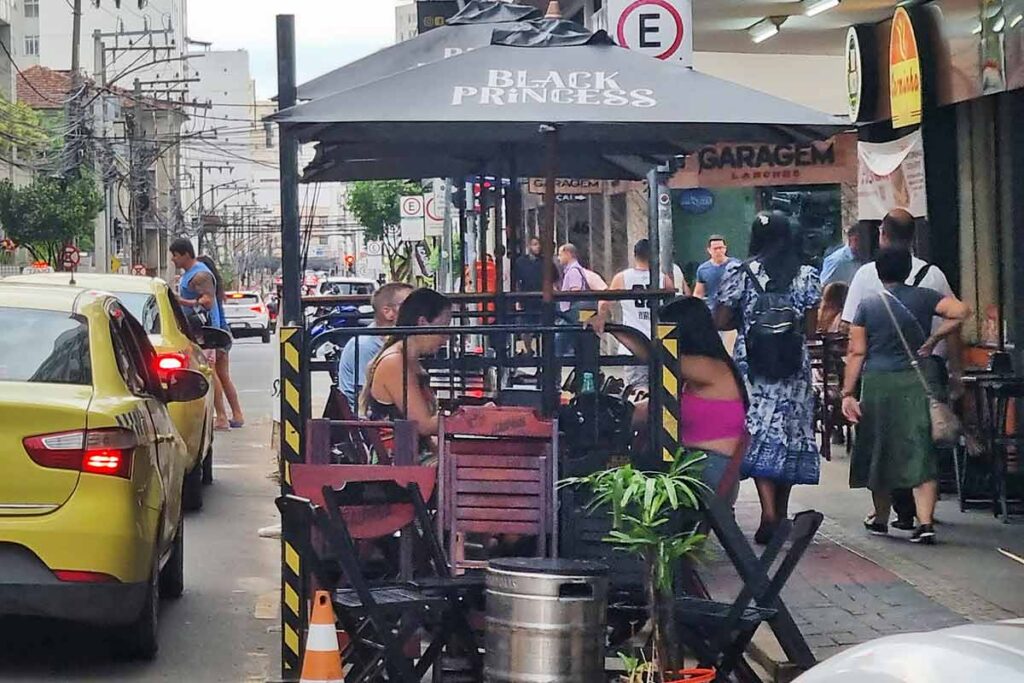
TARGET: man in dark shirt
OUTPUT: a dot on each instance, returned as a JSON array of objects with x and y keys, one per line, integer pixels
[{"x": 528, "y": 276}]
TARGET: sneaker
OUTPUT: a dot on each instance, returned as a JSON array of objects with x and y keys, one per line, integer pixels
[
  {"x": 923, "y": 534},
  {"x": 904, "y": 524},
  {"x": 875, "y": 528}
]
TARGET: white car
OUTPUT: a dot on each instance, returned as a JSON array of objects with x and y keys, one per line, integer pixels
[
  {"x": 973, "y": 652},
  {"x": 339, "y": 286},
  {"x": 247, "y": 315}
]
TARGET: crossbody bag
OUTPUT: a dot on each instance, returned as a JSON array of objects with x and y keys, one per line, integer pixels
[{"x": 946, "y": 427}]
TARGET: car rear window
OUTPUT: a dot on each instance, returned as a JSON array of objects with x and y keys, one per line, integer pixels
[
  {"x": 48, "y": 347},
  {"x": 242, "y": 299},
  {"x": 345, "y": 288},
  {"x": 145, "y": 309}
]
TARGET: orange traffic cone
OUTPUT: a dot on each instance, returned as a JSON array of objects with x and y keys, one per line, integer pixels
[{"x": 322, "y": 663}]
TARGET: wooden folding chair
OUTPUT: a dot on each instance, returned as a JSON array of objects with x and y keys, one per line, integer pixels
[
  {"x": 498, "y": 473},
  {"x": 720, "y": 632},
  {"x": 380, "y": 619}
]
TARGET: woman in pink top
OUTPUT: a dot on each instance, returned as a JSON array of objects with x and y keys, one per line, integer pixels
[{"x": 713, "y": 404}]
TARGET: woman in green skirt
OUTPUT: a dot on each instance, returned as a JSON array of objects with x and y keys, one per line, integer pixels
[{"x": 893, "y": 448}]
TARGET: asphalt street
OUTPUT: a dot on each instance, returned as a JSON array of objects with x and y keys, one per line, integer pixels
[{"x": 225, "y": 627}]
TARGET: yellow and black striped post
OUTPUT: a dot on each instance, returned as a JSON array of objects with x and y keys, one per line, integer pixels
[
  {"x": 668, "y": 346},
  {"x": 293, "y": 598}
]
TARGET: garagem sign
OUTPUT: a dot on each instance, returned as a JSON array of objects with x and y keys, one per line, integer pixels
[
  {"x": 752, "y": 165},
  {"x": 503, "y": 87}
]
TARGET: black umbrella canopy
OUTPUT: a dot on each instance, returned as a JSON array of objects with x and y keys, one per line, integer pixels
[
  {"x": 495, "y": 102},
  {"x": 468, "y": 30}
]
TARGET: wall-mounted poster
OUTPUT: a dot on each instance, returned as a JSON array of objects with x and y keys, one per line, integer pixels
[{"x": 891, "y": 176}]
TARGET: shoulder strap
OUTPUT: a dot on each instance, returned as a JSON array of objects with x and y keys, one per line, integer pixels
[
  {"x": 745, "y": 265},
  {"x": 914, "y": 363},
  {"x": 922, "y": 274}
]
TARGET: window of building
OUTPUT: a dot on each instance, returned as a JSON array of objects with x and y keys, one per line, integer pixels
[
  {"x": 31, "y": 9},
  {"x": 32, "y": 46}
]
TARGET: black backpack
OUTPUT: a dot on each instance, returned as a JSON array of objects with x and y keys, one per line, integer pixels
[{"x": 775, "y": 339}]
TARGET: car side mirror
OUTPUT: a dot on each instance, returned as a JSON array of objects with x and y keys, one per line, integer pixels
[
  {"x": 212, "y": 338},
  {"x": 184, "y": 386}
]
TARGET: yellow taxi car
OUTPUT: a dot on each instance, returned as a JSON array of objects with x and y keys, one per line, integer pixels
[
  {"x": 91, "y": 526},
  {"x": 150, "y": 301}
]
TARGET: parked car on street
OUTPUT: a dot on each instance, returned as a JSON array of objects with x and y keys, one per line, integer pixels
[
  {"x": 151, "y": 302},
  {"x": 247, "y": 315},
  {"x": 91, "y": 525}
]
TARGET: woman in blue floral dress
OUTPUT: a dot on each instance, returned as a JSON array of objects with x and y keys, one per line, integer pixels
[{"x": 782, "y": 451}]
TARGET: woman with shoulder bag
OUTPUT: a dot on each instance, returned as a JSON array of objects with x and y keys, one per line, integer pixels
[{"x": 889, "y": 345}]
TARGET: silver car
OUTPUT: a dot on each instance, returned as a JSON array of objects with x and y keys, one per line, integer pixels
[{"x": 247, "y": 315}]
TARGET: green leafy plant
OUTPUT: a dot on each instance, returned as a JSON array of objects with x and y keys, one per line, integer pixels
[
  {"x": 642, "y": 506},
  {"x": 49, "y": 213},
  {"x": 374, "y": 203}
]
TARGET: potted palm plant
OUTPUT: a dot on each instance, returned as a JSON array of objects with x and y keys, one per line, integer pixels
[{"x": 642, "y": 505}]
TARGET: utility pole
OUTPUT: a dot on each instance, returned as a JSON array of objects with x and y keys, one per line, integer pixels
[
  {"x": 202, "y": 226},
  {"x": 76, "y": 36},
  {"x": 137, "y": 181}
]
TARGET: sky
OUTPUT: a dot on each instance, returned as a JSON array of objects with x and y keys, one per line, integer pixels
[{"x": 329, "y": 33}]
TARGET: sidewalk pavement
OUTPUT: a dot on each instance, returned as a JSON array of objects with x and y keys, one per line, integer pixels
[{"x": 851, "y": 587}]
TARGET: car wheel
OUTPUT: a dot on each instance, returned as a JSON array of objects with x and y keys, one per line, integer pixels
[
  {"x": 172, "y": 576},
  {"x": 266, "y": 336},
  {"x": 192, "y": 490},
  {"x": 139, "y": 638},
  {"x": 208, "y": 467}
]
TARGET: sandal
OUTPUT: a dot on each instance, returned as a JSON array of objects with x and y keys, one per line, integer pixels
[{"x": 236, "y": 424}]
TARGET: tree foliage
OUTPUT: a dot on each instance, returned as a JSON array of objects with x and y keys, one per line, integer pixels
[
  {"x": 374, "y": 203},
  {"x": 49, "y": 213},
  {"x": 22, "y": 128}
]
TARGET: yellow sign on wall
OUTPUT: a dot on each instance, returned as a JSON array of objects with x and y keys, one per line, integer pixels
[{"x": 905, "y": 88}]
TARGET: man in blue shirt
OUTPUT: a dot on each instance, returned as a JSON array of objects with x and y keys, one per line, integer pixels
[
  {"x": 843, "y": 263},
  {"x": 360, "y": 351},
  {"x": 709, "y": 273}
]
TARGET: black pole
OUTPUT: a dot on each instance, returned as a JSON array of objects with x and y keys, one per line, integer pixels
[
  {"x": 654, "y": 376},
  {"x": 291, "y": 304},
  {"x": 547, "y": 256}
]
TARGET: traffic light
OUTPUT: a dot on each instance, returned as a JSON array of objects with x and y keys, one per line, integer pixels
[{"x": 485, "y": 193}]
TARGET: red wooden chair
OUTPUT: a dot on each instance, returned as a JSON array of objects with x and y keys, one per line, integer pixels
[{"x": 498, "y": 470}]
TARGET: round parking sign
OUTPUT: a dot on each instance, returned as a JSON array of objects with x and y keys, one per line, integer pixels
[
  {"x": 659, "y": 28},
  {"x": 412, "y": 207}
]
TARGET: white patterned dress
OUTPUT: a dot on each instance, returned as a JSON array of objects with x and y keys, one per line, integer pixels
[{"x": 781, "y": 415}]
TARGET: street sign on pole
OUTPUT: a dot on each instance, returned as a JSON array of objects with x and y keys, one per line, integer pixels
[
  {"x": 412, "y": 211},
  {"x": 660, "y": 28},
  {"x": 70, "y": 257},
  {"x": 434, "y": 209}
]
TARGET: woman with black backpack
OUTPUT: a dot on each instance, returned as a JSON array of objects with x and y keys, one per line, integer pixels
[{"x": 771, "y": 300}]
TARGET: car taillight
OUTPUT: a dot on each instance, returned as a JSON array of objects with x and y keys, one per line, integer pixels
[
  {"x": 165, "y": 362},
  {"x": 99, "y": 451},
  {"x": 76, "y": 576},
  {"x": 258, "y": 308}
]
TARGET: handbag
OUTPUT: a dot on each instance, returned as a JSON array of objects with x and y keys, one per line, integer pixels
[{"x": 946, "y": 426}]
